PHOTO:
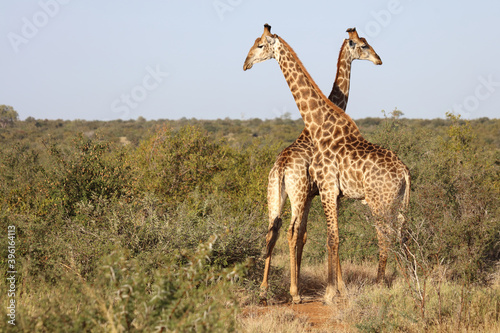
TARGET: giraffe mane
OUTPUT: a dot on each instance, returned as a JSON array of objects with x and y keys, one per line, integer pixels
[
  {"x": 332, "y": 106},
  {"x": 338, "y": 62}
]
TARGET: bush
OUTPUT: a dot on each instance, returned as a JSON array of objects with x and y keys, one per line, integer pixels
[
  {"x": 22, "y": 174},
  {"x": 91, "y": 170},
  {"x": 171, "y": 164},
  {"x": 186, "y": 294}
]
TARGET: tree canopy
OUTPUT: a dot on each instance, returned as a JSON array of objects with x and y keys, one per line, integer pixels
[{"x": 7, "y": 115}]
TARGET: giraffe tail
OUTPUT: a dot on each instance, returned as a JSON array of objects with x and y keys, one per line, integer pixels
[
  {"x": 402, "y": 232},
  {"x": 281, "y": 188},
  {"x": 406, "y": 199},
  {"x": 276, "y": 196},
  {"x": 272, "y": 235}
]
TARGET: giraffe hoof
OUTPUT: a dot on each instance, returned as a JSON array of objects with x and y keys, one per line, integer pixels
[
  {"x": 296, "y": 300},
  {"x": 328, "y": 301}
]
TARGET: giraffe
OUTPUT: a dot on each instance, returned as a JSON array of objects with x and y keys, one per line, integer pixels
[
  {"x": 343, "y": 163},
  {"x": 290, "y": 176}
]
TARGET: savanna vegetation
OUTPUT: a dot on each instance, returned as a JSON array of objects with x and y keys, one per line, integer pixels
[{"x": 138, "y": 225}]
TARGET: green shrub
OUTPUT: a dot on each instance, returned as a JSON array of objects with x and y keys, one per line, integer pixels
[
  {"x": 22, "y": 173},
  {"x": 171, "y": 164},
  {"x": 90, "y": 170},
  {"x": 186, "y": 294}
]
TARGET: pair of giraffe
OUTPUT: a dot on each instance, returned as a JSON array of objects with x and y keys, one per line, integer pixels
[
  {"x": 290, "y": 175},
  {"x": 331, "y": 158}
]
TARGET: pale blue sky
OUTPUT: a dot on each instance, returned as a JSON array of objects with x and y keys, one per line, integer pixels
[{"x": 113, "y": 59}]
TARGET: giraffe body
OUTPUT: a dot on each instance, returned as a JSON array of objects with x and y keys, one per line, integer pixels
[
  {"x": 290, "y": 174},
  {"x": 343, "y": 162}
]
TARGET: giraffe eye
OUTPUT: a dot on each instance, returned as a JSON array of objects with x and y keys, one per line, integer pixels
[
  {"x": 364, "y": 46},
  {"x": 260, "y": 46}
]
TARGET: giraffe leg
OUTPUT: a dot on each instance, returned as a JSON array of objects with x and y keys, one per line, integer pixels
[
  {"x": 382, "y": 211},
  {"x": 296, "y": 233},
  {"x": 302, "y": 237},
  {"x": 335, "y": 286},
  {"x": 271, "y": 238},
  {"x": 297, "y": 186},
  {"x": 292, "y": 236},
  {"x": 301, "y": 241},
  {"x": 276, "y": 197},
  {"x": 383, "y": 244},
  {"x": 402, "y": 231}
]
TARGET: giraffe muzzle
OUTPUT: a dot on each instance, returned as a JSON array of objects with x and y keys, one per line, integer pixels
[{"x": 247, "y": 66}]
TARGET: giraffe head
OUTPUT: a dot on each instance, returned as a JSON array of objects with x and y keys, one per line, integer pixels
[
  {"x": 263, "y": 48},
  {"x": 360, "y": 49}
]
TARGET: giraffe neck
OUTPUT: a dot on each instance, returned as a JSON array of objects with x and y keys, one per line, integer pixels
[
  {"x": 340, "y": 91},
  {"x": 313, "y": 105}
]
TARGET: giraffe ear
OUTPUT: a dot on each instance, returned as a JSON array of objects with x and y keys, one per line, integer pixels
[{"x": 270, "y": 40}]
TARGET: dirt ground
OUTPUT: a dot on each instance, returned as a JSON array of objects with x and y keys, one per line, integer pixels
[{"x": 319, "y": 316}]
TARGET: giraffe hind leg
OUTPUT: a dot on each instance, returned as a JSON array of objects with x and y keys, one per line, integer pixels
[
  {"x": 276, "y": 197},
  {"x": 383, "y": 215},
  {"x": 271, "y": 238},
  {"x": 383, "y": 244}
]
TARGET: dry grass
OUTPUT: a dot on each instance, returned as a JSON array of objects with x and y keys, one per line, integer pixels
[
  {"x": 276, "y": 320},
  {"x": 495, "y": 277},
  {"x": 449, "y": 306}
]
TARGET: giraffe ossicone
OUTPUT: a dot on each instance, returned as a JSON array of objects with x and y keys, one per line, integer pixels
[{"x": 343, "y": 163}]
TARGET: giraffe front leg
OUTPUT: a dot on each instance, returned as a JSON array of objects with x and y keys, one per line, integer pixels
[
  {"x": 302, "y": 236},
  {"x": 335, "y": 286},
  {"x": 296, "y": 239},
  {"x": 292, "y": 245},
  {"x": 297, "y": 188},
  {"x": 301, "y": 241}
]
